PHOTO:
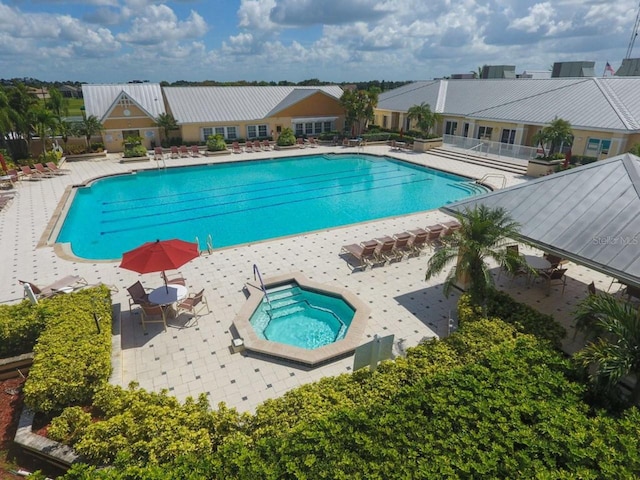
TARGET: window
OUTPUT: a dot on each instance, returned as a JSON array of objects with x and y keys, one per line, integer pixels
[
  {"x": 312, "y": 128},
  {"x": 226, "y": 132},
  {"x": 596, "y": 146},
  {"x": 206, "y": 132},
  {"x": 231, "y": 133},
  {"x": 450, "y": 128},
  {"x": 485, "y": 132},
  {"x": 220, "y": 131},
  {"x": 299, "y": 131},
  {"x": 328, "y": 127},
  {"x": 255, "y": 131},
  {"x": 308, "y": 128},
  {"x": 508, "y": 136}
]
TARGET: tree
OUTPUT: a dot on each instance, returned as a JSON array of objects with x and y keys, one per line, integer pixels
[
  {"x": 483, "y": 234},
  {"x": 167, "y": 122},
  {"x": 423, "y": 115},
  {"x": 359, "y": 106},
  {"x": 65, "y": 130},
  {"x": 89, "y": 127},
  {"x": 57, "y": 104},
  {"x": 557, "y": 133},
  {"x": 615, "y": 353},
  {"x": 44, "y": 123}
]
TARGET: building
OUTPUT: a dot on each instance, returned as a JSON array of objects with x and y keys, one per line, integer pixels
[
  {"x": 234, "y": 112},
  {"x": 604, "y": 112}
]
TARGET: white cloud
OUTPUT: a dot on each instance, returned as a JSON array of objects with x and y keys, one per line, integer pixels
[
  {"x": 255, "y": 15},
  {"x": 159, "y": 23}
]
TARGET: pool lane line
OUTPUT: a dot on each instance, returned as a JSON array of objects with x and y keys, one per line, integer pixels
[
  {"x": 266, "y": 182},
  {"x": 235, "y": 212},
  {"x": 244, "y": 192}
]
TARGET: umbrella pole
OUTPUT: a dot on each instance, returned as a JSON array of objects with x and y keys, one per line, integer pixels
[{"x": 166, "y": 287}]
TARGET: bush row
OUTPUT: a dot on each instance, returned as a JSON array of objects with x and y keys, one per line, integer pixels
[
  {"x": 20, "y": 327},
  {"x": 73, "y": 354}
]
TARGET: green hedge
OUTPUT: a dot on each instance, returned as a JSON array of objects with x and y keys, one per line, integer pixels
[
  {"x": 524, "y": 318},
  {"x": 20, "y": 327},
  {"x": 71, "y": 358}
]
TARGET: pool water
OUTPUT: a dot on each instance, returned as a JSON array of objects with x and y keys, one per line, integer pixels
[
  {"x": 302, "y": 318},
  {"x": 242, "y": 202}
]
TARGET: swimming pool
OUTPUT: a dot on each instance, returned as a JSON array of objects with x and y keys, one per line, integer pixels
[{"x": 242, "y": 202}]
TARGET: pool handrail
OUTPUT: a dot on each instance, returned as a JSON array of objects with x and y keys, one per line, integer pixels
[{"x": 264, "y": 289}]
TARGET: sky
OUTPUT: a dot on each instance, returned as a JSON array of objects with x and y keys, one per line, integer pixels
[{"x": 115, "y": 41}]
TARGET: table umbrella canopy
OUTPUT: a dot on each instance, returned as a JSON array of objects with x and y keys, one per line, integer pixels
[{"x": 159, "y": 256}]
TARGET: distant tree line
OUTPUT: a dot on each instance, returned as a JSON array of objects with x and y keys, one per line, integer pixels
[{"x": 382, "y": 85}]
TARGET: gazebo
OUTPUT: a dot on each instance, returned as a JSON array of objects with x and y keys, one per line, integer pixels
[{"x": 589, "y": 215}]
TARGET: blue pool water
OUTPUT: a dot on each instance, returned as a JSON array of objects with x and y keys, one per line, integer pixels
[
  {"x": 302, "y": 318},
  {"x": 244, "y": 202}
]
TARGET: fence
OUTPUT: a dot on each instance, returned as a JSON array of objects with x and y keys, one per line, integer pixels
[{"x": 494, "y": 148}]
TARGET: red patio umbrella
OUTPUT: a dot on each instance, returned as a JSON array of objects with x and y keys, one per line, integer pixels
[{"x": 159, "y": 256}]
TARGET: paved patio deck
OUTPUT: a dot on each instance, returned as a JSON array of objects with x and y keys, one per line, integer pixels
[{"x": 192, "y": 359}]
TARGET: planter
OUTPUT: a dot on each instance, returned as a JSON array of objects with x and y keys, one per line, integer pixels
[
  {"x": 85, "y": 156},
  {"x": 540, "y": 168},
  {"x": 422, "y": 145},
  {"x": 207, "y": 153},
  {"x": 288, "y": 147},
  {"x": 134, "y": 159}
]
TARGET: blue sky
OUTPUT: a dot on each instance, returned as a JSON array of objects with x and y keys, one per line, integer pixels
[{"x": 112, "y": 41}]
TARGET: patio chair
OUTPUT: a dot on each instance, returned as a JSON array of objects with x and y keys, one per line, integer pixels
[
  {"x": 184, "y": 151},
  {"x": 158, "y": 154},
  {"x": 175, "y": 153},
  {"x": 195, "y": 151},
  {"x": 419, "y": 241},
  {"x": 152, "y": 313},
  {"x": 300, "y": 142},
  {"x": 554, "y": 260},
  {"x": 266, "y": 145},
  {"x": 384, "y": 251},
  {"x": 248, "y": 147},
  {"x": 236, "y": 148},
  {"x": 257, "y": 146},
  {"x": 137, "y": 295},
  {"x": 313, "y": 143},
  {"x": 56, "y": 169},
  {"x": 364, "y": 253},
  {"x": 402, "y": 246},
  {"x": 591, "y": 289},
  {"x": 30, "y": 174},
  {"x": 194, "y": 304},
  {"x": 43, "y": 170},
  {"x": 632, "y": 292},
  {"x": 176, "y": 279},
  {"x": 554, "y": 277},
  {"x": 65, "y": 284}
]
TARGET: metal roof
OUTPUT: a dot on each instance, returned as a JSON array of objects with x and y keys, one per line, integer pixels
[
  {"x": 590, "y": 214},
  {"x": 99, "y": 98},
  {"x": 609, "y": 103},
  {"x": 227, "y": 104}
]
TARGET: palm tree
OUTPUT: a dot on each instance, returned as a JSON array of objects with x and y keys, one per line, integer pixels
[
  {"x": 616, "y": 351},
  {"x": 424, "y": 117},
  {"x": 89, "y": 127},
  {"x": 557, "y": 133},
  {"x": 483, "y": 234},
  {"x": 57, "y": 103},
  {"x": 167, "y": 122},
  {"x": 65, "y": 130},
  {"x": 359, "y": 107},
  {"x": 44, "y": 123}
]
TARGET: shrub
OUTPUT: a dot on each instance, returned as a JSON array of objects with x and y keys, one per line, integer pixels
[
  {"x": 587, "y": 160},
  {"x": 20, "y": 327},
  {"x": 286, "y": 138},
  {"x": 216, "y": 143},
  {"x": 73, "y": 354},
  {"x": 69, "y": 426},
  {"x": 97, "y": 147},
  {"x": 75, "y": 149},
  {"x": 135, "y": 151}
]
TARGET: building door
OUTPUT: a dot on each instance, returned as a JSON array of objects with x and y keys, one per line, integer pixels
[
  {"x": 465, "y": 131},
  {"x": 508, "y": 136}
]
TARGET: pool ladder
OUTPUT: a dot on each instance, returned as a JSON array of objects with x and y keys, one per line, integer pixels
[{"x": 256, "y": 273}]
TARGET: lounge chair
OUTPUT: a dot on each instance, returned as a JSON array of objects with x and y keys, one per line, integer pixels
[
  {"x": 434, "y": 233},
  {"x": 450, "y": 227},
  {"x": 313, "y": 143},
  {"x": 14, "y": 174},
  {"x": 175, "y": 153},
  {"x": 364, "y": 253},
  {"x": 56, "y": 169},
  {"x": 43, "y": 170},
  {"x": 66, "y": 284},
  {"x": 184, "y": 151},
  {"x": 152, "y": 313},
  {"x": 236, "y": 148},
  {"x": 137, "y": 295},
  {"x": 419, "y": 241},
  {"x": 300, "y": 142},
  {"x": 257, "y": 146},
  {"x": 345, "y": 142},
  {"x": 555, "y": 276},
  {"x": 30, "y": 174},
  {"x": 266, "y": 145},
  {"x": 384, "y": 253},
  {"x": 195, "y": 151},
  {"x": 158, "y": 154},
  {"x": 193, "y": 304},
  {"x": 402, "y": 247},
  {"x": 248, "y": 147}
]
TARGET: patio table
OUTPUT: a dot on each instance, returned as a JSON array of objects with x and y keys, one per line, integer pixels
[
  {"x": 168, "y": 294},
  {"x": 537, "y": 263}
]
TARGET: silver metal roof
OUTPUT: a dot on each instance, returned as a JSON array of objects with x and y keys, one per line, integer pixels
[
  {"x": 590, "y": 214},
  {"x": 99, "y": 98},
  {"x": 610, "y": 103},
  {"x": 227, "y": 104}
]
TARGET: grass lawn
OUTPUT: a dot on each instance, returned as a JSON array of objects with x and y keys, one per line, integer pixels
[{"x": 74, "y": 107}]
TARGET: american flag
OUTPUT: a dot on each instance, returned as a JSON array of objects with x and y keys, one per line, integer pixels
[{"x": 609, "y": 68}]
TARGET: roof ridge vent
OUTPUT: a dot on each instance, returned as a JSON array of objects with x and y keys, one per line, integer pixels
[
  {"x": 442, "y": 96},
  {"x": 625, "y": 115}
]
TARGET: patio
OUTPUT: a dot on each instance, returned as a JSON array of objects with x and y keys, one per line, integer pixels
[{"x": 198, "y": 359}]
